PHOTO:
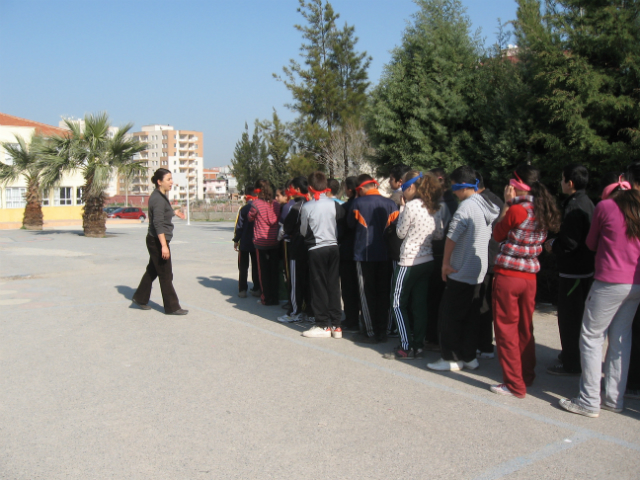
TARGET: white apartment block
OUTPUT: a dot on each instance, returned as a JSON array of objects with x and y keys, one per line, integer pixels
[{"x": 179, "y": 151}]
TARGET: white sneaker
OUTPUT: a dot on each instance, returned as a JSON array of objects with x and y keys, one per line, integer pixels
[
  {"x": 472, "y": 365},
  {"x": 288, "y": 318},
  {"x": 317, "y": 332},
  {"x": 336, "y": 332},
  {"x": 443, "y": 365}
]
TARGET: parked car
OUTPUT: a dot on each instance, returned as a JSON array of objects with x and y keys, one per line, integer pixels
[
  {"x": 108, "y": 210},
  {"x": 129, "y": 213}
]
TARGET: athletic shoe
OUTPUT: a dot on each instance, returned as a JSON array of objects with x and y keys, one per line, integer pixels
[
  {"x": 604, "y": 406},
  {"x": 288, "y": 318},
  {"x": 242, "y": 294},
  {"x": 336, "y": 332},
  {"x": 501, "y": 389},
  {"x": 632, "y": 394},
  {"x": 443, "y": 365},
  {"x": 472, "y": 365},
  {"x": 317, "y": 332},
  {"x": 573, "y": 407},
  {"x": 256, "y": 293},
  {"x": 180, "y": 311},
  {"x": 431, "y": 347},
  {"x": 419, "y": 353},
  {"x": 287, "y": 306},
  {"x": 393, "y": 334},
  {"x": 559, "y": 370},
  {"x": 487, "y": 355},
  {"x": 311, "y": 319},
  {"x": 297, "y": 317},
  {"x": 400, "y": 354}
]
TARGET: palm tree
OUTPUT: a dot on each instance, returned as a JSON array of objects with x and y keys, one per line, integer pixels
[
  {"x": 91, "y": 150},
  {"x": 24, "y": 159}
]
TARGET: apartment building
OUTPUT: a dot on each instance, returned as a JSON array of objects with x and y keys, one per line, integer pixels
[{"x": 180, "y": 151}]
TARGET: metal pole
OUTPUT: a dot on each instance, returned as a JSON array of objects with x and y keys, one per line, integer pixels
[{"x": 188, "y": 195}]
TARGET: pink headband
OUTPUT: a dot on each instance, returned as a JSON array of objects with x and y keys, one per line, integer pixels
[
  {"x": 519, "y": 185},
  {"x": 606, "y": 193}
]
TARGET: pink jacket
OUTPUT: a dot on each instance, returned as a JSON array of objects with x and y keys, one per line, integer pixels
[{"x": 617, "y": 257}]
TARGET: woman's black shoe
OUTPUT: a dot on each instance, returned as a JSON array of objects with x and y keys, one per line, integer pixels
[
  {"x": 143, "y": 306},
  {"x": 181, "y": 311}
]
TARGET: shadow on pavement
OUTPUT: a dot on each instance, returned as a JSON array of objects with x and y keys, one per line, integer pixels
[{"x": 127, "y": 292}]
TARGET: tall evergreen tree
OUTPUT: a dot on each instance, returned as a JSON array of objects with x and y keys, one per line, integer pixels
[
  {"x": 329, "y": 86},
  {"x": 278, "y": 145},
  {"x": 418, "y": 112},
  {"x": 581, "y": 61},
  {"x": 250, "y": 158}
]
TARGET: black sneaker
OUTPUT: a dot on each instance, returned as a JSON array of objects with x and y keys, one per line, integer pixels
[
  {"x": 400, "y": 354},
  {"x": 180, "y": 311},
  {"x": 559, "y": 370}
]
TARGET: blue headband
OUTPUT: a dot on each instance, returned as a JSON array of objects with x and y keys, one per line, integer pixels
[
  {"x": 460, "y": 186},
  {"x": 408, "y": 183}
]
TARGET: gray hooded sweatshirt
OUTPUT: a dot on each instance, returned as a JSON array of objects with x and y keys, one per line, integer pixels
[{"x": 471, "y": 229}]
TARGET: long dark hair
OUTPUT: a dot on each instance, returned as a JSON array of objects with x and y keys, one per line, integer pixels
[
  {"x": 159, "y": 175},
  {"x": 629, "y": 201},
  {"x": 266, "y": 192},
  {"x": 544, "y": 204}
]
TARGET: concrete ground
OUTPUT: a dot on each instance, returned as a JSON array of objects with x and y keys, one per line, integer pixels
[{"x": 94, "y": 388}]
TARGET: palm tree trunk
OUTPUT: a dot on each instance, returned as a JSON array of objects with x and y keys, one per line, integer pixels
[
  {"x": 33, "y": 219},
  {"x": 94, "y": 220}
]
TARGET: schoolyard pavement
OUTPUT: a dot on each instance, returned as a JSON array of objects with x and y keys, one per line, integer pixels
[{"x": 92, "y": 387}]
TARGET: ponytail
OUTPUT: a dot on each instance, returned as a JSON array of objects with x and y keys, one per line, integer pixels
[
  {"x": 628, "y": 202},
  {"x": 544, "y": 204}
]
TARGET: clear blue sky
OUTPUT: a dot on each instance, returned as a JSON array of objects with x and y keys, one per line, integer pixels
[{"x": 195, "y": 64}]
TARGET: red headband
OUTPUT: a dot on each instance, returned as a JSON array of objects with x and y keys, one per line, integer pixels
[
  {"x": 291, "y": 192},
  {"x": 359, "y": 187},
  {"x": 250, "y": 197},
  {"x": 316, "y": 193},
  {"x": 256, "y": 190}
]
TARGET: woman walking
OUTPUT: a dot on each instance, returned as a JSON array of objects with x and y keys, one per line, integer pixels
[
  {"x": 158, "y": 237},
  {"x": 613, "y": 299},
  {"x": 420, "y": 222},
  {"x": 529, "y": 212}
]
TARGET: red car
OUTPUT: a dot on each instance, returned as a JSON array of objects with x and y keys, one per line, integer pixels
[{"x": 129, "y": 213}]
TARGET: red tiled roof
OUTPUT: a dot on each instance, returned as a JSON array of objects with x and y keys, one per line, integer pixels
[{"x": 41, "y": 128}]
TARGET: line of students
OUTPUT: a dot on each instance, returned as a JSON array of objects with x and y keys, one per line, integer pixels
[{"x": 441, "y": 273}]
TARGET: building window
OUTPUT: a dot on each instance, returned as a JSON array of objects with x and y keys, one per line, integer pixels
[
  {"x": 16, "y": 197},
  {"x": 79, "y": 192},
  {"x": 7, "y": 158},
  {"x": 45, "y": 198},
  {"x": 63, "y": 196}
]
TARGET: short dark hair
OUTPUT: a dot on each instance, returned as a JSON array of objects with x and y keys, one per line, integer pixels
[
  {"x": 578, "y": 174},
  {"x": 363, "y": 178},
  {"x": 159, "y": 175},
  {"x": 399, "y": 170},
  {"x": 248, "y": 191},
  {"x": 318, "y": 181},
  {"x": 301, "y": 183},
  {"x": 480, "y": 180},
  {"x": 441, "y": 175},
  {"x": 350, "y": 183},
  {"x": 334, "y": 185},
  {"x": 464, "y": 174}
]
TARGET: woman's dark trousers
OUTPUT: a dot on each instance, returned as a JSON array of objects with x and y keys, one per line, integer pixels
[
  {"x": 269, "y": 275},
  {"x": 160, "y": 268}
]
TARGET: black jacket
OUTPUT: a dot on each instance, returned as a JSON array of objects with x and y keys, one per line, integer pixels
[
  {"x": 346, "y": 235},
  {"x": 291, "y": 226},
  {"x": 243, "y": 233},
  {"x": 572, "y": 254}
]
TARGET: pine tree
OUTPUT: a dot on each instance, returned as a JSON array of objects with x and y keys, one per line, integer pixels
[
  {"x": 250, "y": 158},
  {"x": 278, "y": 145},
  {"x": 329, "y": 86},
  {"x": 418, "y": 112}
]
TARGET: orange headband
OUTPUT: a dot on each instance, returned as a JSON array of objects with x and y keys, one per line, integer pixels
[
  {"x": 359, "y": 187},
  {"x": 316, "y": 193}
]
